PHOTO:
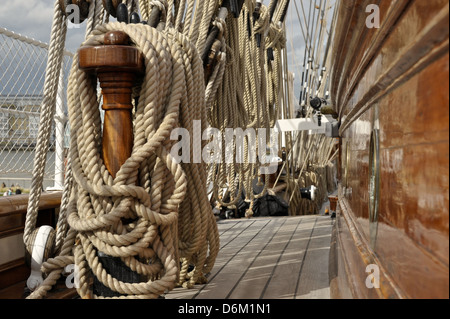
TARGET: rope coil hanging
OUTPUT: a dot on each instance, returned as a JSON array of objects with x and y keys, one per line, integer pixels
[
  {"x": 56, "y": 48},
  {"x": 247, "y": 98},
  {"x": 97, "y": 219},
  {"x": 166, "y": 229}
]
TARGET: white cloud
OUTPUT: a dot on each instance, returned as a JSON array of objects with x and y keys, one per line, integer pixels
[{"x": 33, "y": 19}]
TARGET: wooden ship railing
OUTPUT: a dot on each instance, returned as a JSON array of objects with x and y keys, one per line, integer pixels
[{"x": 14, "y": 266}]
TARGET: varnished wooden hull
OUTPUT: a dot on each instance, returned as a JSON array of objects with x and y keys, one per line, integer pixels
[{"x": 390, "y": 86}]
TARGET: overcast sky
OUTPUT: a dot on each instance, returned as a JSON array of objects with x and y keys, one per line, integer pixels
[{"x": 33, "y": 18}]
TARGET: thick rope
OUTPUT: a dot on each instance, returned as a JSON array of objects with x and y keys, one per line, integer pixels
[
  {"x": 246, "y": 99},
  {"x": 174, "y": 228},
  {"x": 168, "y": 56},
  {"x": 167, "y": 229},
  {"x": 47, "y": 111}
]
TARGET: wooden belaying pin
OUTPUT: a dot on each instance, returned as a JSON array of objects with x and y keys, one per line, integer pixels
[
  {"x": 135, "y": 18},
  {"x": 283, "y": 14},
  {"x": 256, "y": 16},
  {"x": 111, "y": 6},
  {"x": 235, "y": 7},
  {"x": 155, "y": 17},
  {"x": 270, "y": 56},
  {"x": 257, "y": 12},
  {"x": 122, "y": 13},
  {"x": 249, "y": 25},
  {"x": 84, "y": 9},
  {"x": 258, "y": 39},
  {"x": 213, "y": 34},
  {"x": 212, "y": 60},
  {"x": 272, "y": 6}
]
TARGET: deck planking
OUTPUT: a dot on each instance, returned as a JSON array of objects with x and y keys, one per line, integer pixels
[{"x": 268, "y": 258}]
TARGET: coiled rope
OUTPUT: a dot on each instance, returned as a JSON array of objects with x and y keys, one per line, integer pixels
[
  {"x": 102, "y": 201},
  {"x": 169, "y": 233}
]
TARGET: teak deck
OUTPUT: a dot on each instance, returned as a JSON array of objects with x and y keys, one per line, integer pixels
[
  {"x": 269, "y": 258},
  {"x": 259, "y": 258}
]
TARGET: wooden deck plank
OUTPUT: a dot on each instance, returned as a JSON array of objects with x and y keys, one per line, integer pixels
[
  {"x": 230, "y": 231},
  {"x": 314, "y": 278},
  {"x": 243, "y": 240},
  {"x": 230, "y": 276},
  {"x": 253, "y": 283},
  {"x": 236, "y": 240},
  {"x": 283, "y": 282},
  {"x": 270, "y": 258}
]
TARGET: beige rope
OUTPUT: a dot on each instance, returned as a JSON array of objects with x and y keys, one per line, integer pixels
[
  {"x": 47, "y": 111},
  {"x": 249, "y": 98},
  {"x": 96, "y": 219},
  {"x": 167, "y": 229}
]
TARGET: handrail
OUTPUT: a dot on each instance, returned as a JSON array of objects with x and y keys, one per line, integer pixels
[{"x": 17, "y": 205}]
